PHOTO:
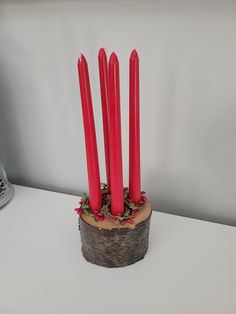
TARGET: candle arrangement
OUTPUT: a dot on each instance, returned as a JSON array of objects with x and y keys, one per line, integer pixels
[{"x": 114, "y": 220}]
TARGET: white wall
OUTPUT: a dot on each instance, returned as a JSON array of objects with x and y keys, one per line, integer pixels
[{"x": 188, "y": 92}]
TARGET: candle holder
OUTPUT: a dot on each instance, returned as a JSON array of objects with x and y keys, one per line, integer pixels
[{"x": 114, "y": 241}]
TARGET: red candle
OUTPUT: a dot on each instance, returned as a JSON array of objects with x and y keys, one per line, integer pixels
[
  {"x": 90, "y": 136},
  {"x": 116, "y": 176},
  {"x": 134, "y": 129},
  {"x": 103, "y": 73}
]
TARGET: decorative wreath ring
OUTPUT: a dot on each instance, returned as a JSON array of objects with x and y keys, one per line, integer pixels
[{"x": 130, "y": 208}]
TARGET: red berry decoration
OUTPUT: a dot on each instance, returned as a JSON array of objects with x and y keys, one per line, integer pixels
[
  {"x": 79, "y": 211},
  {"x": 140, "y": 202},
  {"x": 131, "y": 207},
  {"x": 144, "y": 198}
]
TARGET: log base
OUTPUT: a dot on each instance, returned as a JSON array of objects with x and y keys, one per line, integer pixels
[{"x": 109, "y": 245}]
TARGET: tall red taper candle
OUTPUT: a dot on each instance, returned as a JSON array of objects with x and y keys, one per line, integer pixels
[
  {"x": 116, "y": 175},
  {"x": 90, "y": 136},
  {"x": 103, "y": 73},
  {"x": 134, "y": 129}
]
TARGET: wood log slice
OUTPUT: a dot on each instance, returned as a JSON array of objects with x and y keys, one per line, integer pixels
[{"x": 110, "y": 245}]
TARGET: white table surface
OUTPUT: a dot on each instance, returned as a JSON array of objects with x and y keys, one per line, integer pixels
[{"x": 190, "y": 266}]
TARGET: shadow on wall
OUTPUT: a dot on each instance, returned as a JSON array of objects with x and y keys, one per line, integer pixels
[
  {"x": 184, "y": 196},
  {"x": 170, "y": 192},
  {"x": 206, "y": 192},
  {"x": 20, "y": 136},
  {"x": 10, "y": 140}
]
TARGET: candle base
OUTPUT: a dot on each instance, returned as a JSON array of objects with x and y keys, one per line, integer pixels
[{"x": 109, "y": 245}]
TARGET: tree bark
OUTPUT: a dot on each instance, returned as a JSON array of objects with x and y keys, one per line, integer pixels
[{"x": 117, "y": 247}]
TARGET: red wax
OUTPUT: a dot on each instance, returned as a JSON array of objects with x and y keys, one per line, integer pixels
[
  {"x": 90, "y": 136},
  {"x": 134, "y": 129},
  {"x": 103, "y": 73},
  {"x": 116, "y": 176}
]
